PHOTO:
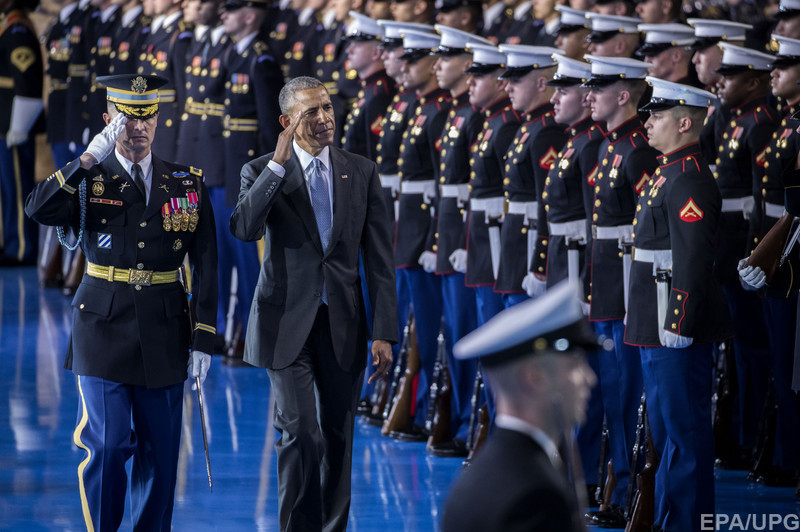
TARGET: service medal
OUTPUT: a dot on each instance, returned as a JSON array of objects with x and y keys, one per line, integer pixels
[
  {"x": 175, "y": 203},
  {"x": 165, "y": 213},
  {"x": 184, "y": 214}
]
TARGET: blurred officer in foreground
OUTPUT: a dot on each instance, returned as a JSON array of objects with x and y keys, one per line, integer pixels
[
  {"x": 676, "y": 310},
  {"x": 626, "y": 162},
  {"x": 739, "y": 169},
  {"x": 21, "y": 118},
  {"x": 139, "y": 217},
  {"x": 533, "y": 354},
  {"x": 613, "y": 36}
]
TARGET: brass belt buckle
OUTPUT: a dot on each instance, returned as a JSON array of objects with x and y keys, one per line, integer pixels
[{"x": 140, "y": 277}]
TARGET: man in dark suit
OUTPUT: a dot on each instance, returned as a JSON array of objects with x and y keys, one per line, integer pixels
[
  {"x": 317, "y": 207},
  {"x": 533, "y": 355}
]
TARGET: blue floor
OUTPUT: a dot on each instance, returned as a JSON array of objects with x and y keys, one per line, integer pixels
[{"x": 396, "y": 486}]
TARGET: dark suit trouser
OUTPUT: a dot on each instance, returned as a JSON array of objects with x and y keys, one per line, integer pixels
[{"x": 315, "y": 457}]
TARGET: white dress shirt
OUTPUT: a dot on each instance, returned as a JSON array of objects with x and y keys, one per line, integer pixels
[{"x": 147, "y": 170}]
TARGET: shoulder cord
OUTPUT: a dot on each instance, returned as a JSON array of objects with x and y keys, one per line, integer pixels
[{"x": 60, "y": 230}]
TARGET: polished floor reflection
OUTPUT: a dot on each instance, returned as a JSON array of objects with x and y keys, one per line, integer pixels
[{"x": 396, "y": 486}]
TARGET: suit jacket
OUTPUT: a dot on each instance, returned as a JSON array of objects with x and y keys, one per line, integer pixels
[
  {"x": 295, "y": 265},
  {"x": 137, "y": 335},
  {"x": 511, "y": 486}
]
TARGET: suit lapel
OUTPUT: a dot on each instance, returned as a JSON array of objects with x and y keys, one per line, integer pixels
[
  {"x": 296, "y": 191},
  {"x": 342, "y": 176},
  {"x": 126, "y": 189},
  {"x": 162, "y": 187}
]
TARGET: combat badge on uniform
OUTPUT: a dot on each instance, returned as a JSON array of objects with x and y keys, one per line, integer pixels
[{"x": 691, "y": 212}]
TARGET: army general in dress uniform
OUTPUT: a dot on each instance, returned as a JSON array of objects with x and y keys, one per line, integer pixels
[{"x": 138, "y": 217}]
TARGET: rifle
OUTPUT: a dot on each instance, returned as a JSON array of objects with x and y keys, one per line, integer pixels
[
  {"x": 477, "y": 386},
  {"x": 440, "y": 423},
  {"x": 723, "y": 394},
  {"x": 433, "y": 390},
  {"x": 598, "y": 494},
  {"x": 399, "y": 424},
  {"x": 644, "y": 504},
  {"x": 378, "y": 400},
  {"x": 609, "y": 486},
  {"x": 482, "y": 431},
  {"x": 765, "y": 444},
  {"x": 770, "y": 253},
  {"x": 638, "y": 445},
  {"x": 397, "y": 371}
]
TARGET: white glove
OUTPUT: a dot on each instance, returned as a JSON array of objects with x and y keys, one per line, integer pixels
[
  {"x": 198, "y": 366},
  {"x": 533, "y": 286},
  {"x": 103, "y": 143},
  {"x": 24, "y": 112},
  {"x": 428, "y": 261},
  {"x": 751, "y": 277},
  {"x": 585, "y": 308},
  {"x": 458, "y": 259},
  {"x": 676, "y": 341}
]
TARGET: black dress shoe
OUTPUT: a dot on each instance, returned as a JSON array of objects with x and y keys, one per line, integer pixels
[
  {"x": 415, "y": 433},
  {"x": 614, "y": 517},
  {"x": 454, "y": 448}
]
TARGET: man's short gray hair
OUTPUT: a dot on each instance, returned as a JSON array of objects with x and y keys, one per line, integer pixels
[{"x": 286, "y": 98}]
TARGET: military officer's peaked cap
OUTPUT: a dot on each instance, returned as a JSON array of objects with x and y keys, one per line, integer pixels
[
  {"x": 552, "y": 323},
  {"x": 486, "y": 58},
  {"x": 393, "y": 31},
  {"x": 709, "y": 32},
  {"x": 788, "y": 9},
  {"x": 134, "y": 95},
  {"x": 788, "y": 52},
  {"x": 417, "y": 44},
  {"x": 363, "y": 28},
  {"x": 521, "y": 59},
  {"x": 233, "y": 5},
  {"x": 608, "y": 70},
  {"x": 736, "y": 59},
  {"x": 606, "y": 26},
  {"x": 445, "y": 6},
  {"x": 660, "y": 37},
  {"x": 667, "y": 95},
  {"x": 571, "y": 20},
  {"x": 570, "y": 72},
  {"x": 455, "y": 42}
]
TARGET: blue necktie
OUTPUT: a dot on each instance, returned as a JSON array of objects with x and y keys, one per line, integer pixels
[{"x": 320, "y": 200}]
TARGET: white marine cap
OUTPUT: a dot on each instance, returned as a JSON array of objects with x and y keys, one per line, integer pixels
[
  {"x": 737, "y": 59},
  {"x": 608, "y": 70},
  {"x": 363, "y": 28},
  {"x": 788, "y": 9},
  {"x": 522, "y": 58},
  {"x": 606, "y": 26},
  {"x": 570, "y": 72},
  {"x": 455, "y": 42},
  {"x": 417, "y": 44},
  {"x": 667, "y": 94},
  {"x": 788, "y": 52},
  {"x": 485, "y": 59},
  {"x": 710, "y": 32},
  {"x": 393, "y": 31},
  {"x": 660, "y": 37},
  {"x": 552, "y": 323},
  {"x": 571, "y": 19}
]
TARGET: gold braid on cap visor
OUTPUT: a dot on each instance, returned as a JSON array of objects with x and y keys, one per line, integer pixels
[{"x": 141, "y": 112}]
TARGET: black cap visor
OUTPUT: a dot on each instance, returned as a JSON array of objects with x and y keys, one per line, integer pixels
[
  {"x": 412, "y": 55},
  {"x": 478, "y": 69},
  {"x": 564, "y": 81}
]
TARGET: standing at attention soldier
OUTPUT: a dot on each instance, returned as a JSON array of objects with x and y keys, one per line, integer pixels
[{"x": 138, "y": 217}]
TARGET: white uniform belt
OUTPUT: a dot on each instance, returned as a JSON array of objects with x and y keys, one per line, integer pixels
[
  {"x": 661, "y": 259},
  {"x": 391, "y": 181},
  {"x": 529, "y": 208},
  {"x": 773, "y": 210},
  {"x": 743, "y": 205},
  {"x": 492, "y": 207},
  {"x": 427, "y": 187},
  {"x": 616, "y": 232},
  {"x": 573, "y": 229},
  {"x": 461, "y": 192}
]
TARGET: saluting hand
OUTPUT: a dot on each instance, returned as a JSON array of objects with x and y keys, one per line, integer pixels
[
  {"x": 284, "y": 148},
  {"x": 381, "y": 358},
  {"x": 103, "y": 143}
]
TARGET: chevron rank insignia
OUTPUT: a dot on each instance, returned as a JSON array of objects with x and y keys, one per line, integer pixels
[
  {"x": 547, "y": 160},
  {"x": 691, "y": 212}
]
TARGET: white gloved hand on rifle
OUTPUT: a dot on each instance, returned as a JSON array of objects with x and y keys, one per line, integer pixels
[
  {"x": 198, "y": 366},
  {"x": 458, "y": 259},
  {"x": 103, "y": 143},
  {"x": 751, "y": 277},
  {"x": 533, "y": 286},
  {"x": 428, "y": 261}
]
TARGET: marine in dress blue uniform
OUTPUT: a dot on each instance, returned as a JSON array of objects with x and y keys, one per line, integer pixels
[
  {"x": 676, "y": 309},
  {"x": 131, "y": 333},
  {"x": 528, "y": 160},
  {"x": 740, "y": 167},
  {"x": 418, "y": 201},
  {"x": 458, "y": 135},
  {"x": 21, "y": 74},
  {"x": 625, "y": 163}
]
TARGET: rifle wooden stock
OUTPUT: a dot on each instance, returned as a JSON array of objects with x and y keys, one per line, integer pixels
[
  {"x": 768, "y": 252},
  {"x": 722, "y": 403},
  {"x": 440, "y": 425},
  {"x": 399, "y": 420},
  {"x": 644, "y": 504},
  {"x": 765, "y": 442},
  {"x": 638, "y": 445},
  {"x": 609, "y": 486},
  {"x": 598, "y": 495},
  {"x": 481, "y": 432},
  {"x": 477, "y": 386},
  {"x": 397, "y": 370}
]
